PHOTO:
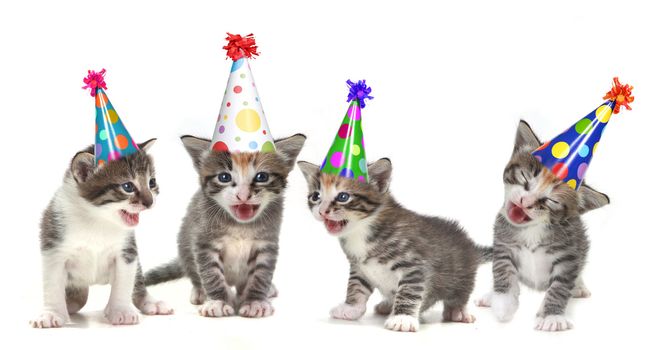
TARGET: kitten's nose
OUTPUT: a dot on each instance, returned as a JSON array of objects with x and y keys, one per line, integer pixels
[
  {"x": 147, "y": 200},
  {"x": 244, "y": 196},
  {"x": 527, "y": 201}
]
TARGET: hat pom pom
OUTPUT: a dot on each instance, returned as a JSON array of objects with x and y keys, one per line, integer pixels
[
  {"x": 94, "y": 80},
  {"x": 359, "y": 91},
  {"x": 240, "y": 46},
  {"x": 621, "y": 95}
]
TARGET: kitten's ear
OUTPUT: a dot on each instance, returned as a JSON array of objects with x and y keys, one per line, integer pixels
[
  {"x": 311, "y": 172},
  {"x": 290, "y": 147},
  {"x": 196, "y": 147},
  {"x": 590, "y": 199},
  {"x": 525, "y": 138},
  {"x": 145, "y": 146},
  {"x": 379, "y": 173},
  {"x": 82, "y": 165}
]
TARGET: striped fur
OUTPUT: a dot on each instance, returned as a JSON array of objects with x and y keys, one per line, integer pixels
[
  {"x": 413, "y": 260},
  {"x": 218, "y": 250}
]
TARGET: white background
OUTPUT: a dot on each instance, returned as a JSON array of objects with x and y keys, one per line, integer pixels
[{"x": 450, "y": 83}]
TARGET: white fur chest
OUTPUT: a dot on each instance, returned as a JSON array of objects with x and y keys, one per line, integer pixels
[
  {"x": 535, "y": 265},
  {"x": 236, "y": 248}
]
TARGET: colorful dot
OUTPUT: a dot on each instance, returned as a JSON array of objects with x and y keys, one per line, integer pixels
[
  {"x": 101, "y": 99},
  {"x": 603, "y": 113},
  {"x": 347, "y": 172},
  {"x": 581, "y": 170},
  {"x": 257, "y": 99},
  {"x": 228, "y": 104},
  {"x": 242, "y": 75},
  {"x": 245, "y": 103},
  {"x": 237, "y": 138},
  {"x": 595, "y": 147},
  {"x": 362, "y": 165},
  {"x": 560, "y": 150},
  {"x": 584, "y": 126},
  {"x": 237, "y": 89},
  {"x": 356, "y": 150},
  {"x": 101, "y": 162},
  {"x": 268, "y": 147},
  {"x": 583, "y": 150},
  {"x": 103, "y": 135},
  {"x": 114, "y": 155},
  {"x": 361, "y": 178},
  {"x": 97, "y": 149},
  {"x": 354, "y": 112},
  {"x": 337, "y": 159},
  {"x": 560, "y": 170},
  {"x": 539, "y": 158},
  {"x": 112, "y": 116},
  {"x": 572, "y": 183},
  {"x": 344, "y": 131},
  {"x": 225, "y": 117},
  {"x": 221, "y": 129},
  {"x": 248, "y": 120},
  {"x": 220, "y": 146},
  {"x": 121, "y": 142},
  {"x": 252, "y": 145},
  {"x": 264, "y": 132}
]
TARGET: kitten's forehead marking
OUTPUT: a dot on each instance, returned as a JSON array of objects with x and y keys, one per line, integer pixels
[{"x": 243, "y": 162}]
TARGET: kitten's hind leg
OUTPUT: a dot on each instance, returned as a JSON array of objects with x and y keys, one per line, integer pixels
[
  {"x": 580, "y": 290},
  {"x": 76, "y": 298},
  {"x": 385, "y": 307}
]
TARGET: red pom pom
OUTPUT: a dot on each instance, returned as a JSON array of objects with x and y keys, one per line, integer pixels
[
  {"x": 621, "y": 94},
  {"x": 241, "y": 46},
  {"x": 94, "y": 80}
]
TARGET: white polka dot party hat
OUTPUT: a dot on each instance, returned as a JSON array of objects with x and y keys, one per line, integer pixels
[
  {"x": 569, "y": 154},
  {"x": 241, "y": 124}
]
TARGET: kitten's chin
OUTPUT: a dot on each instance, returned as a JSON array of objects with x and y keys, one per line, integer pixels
[
  {"x": 130, "y": 219},
  {"x": 244, "y": 212},
  {"x": 335, "y": 226},
  {"x": 516, "y": 214}
]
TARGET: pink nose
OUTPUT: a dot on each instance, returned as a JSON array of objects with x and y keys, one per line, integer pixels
[{"x": 527, "y": 201}]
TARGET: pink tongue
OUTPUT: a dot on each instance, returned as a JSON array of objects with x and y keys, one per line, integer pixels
[
  {"x": 333, "y": 226},
  {"x": 517, "y": 215},
  {"x": 245, "y": 211}
]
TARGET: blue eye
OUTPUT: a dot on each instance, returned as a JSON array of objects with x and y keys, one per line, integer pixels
[
  {"x": 342, "y": 197},
  {"x": 128, "y": 187},
  {"x": 224, "y": 177},
  {"x": 261, "y": 177},
  {"x": 315, "y": 196}
]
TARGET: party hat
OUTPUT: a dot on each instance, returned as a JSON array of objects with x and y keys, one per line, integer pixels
[
  {"x": 241, "y": 125},
  {"x": 569, "y": 154},
  {"x": 347, "y": 154},
  {"x": 112, "y": 140}
]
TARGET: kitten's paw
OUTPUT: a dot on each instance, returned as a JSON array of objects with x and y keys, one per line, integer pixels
[
  {"x": 384, "y": 308},
  {"x": 580, "y": 292},
  {"x": 457, "y": 315},
  {"x": 402, "y": 323},
  {"x": 553, "y": 323},
  {"x": 504, "y": 306},
  {"x": 122, "y": 315},
  {"x": 198, "y": 296},
  {"x": 273, "y": 292},
  {"x": 348, "y": 312},
  {"x": 155, "y": 307},
  {"x": 49, "y": 319},
  {"x": 216, "y": 308},
  {"x": 256, "y": 308},
  {"x": 484, "y": 301}
]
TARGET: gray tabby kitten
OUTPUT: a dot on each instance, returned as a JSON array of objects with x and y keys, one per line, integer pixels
[
  {"x": 87, "y": 237},
  {"x": 229, "y": 237},
  {"x": 539, "y": 237},
  {"x": 414, "y": 260}
]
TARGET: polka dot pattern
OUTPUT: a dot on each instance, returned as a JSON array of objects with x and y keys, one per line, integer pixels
[
  {"x": 112, "y": 139},
  {"x": 346, "y": 157},
  {"x": 571, "y": 152}
]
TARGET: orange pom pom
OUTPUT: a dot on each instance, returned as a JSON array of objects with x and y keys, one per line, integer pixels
[{"x": 621, "y": 94}]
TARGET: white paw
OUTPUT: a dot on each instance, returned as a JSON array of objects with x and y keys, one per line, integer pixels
[
  {"x": 197, "y": 296},
  {"x": 458, "y": 315},
  {"x": 504, "y": 306},
  {"x": 402, "y": 323},
  {"x": 553, "y": 323},
  {"x": 155, "y": 307},
  {"x": 49, "y": 319},
  {"x": 256, "y": 308},
  {"x": 580, "y": 292},
  {"x": 485, "y": 300},
  {"x": 122, "y": 315},
  {"x": 348, "y": 312},
  {"x": 384, "y": 307},
  {"x": 216, "y": 308}
]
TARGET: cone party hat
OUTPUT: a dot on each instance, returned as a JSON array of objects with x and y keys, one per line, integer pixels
[
  {"x": 112, "y": 139},
  {"x": 241, "y": 124},
  {"x": 346, "y": 157},
  {"x": 569, "y": 154}
]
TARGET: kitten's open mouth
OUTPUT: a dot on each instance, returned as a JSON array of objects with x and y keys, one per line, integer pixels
[
  {"x": 334, "y": 226},
  {"x": 516, "y": 214},
  {"x": 244, "y": 211},
  {"x": 131, "y": 219}
]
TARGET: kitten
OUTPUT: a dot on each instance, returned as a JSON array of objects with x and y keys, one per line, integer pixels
[
  {"x": 87, "y": 237},
  {"x": 539, "y": 237},
  {"x": 229, "y": 237},
  {"x": 414, "y": 260}
]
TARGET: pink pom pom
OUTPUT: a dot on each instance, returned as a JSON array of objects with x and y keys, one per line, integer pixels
[{"x": 94, "y": 80}]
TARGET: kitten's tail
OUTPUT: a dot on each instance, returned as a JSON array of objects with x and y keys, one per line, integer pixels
[
  {"x": 485, "y": 254},
  {"x": 164, "y": 273}
]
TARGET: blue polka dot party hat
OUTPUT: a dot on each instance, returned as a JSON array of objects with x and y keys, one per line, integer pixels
[
  {"x": 346, "y": 157},
  {"x": 112, "y": 140},
  {"x": 569, "y": 154},
  {"x": 241, "y": 125}
]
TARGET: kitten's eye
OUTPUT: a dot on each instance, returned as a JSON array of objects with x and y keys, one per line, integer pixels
[
  {"x": 315, "y": 196},
  {"x": 526, "y": 182},
  {"x": 342, "y": 197},
  {"x": 224, "y": 177},
  {"x": 152, "y": 183},
  {"x": 261, "y": 177},
  {"x": 128, "y": 187}
]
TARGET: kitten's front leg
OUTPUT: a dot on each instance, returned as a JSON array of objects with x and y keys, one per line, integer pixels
[
  {"x": 408, "y": 300},
  {"x": 551, "y": 316},
  {"x": 358, "y": 292},
  {"x": 54, "y": 314},
  {"x": 505, "y": 298},
  {"x": 120, "y": 310},
  {"x": 210, "y": 269},
  {"x": 255, "y": 297}
]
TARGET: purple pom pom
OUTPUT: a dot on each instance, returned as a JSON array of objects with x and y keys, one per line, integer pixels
[{"x": 359, "y": 91}]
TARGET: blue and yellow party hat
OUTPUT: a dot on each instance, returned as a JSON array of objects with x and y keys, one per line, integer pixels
[
  {"x": 569, "y": 154},
  {"x": 112, "y": 140}
]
